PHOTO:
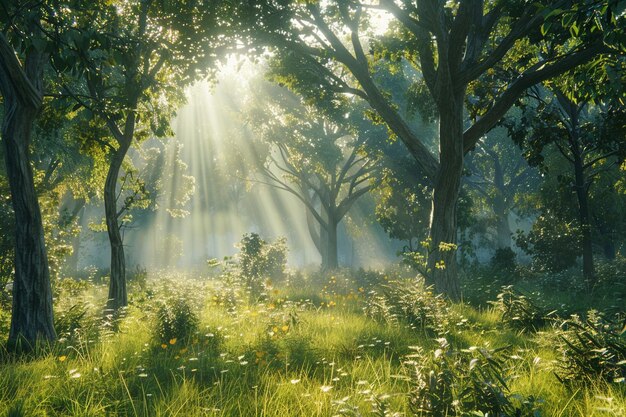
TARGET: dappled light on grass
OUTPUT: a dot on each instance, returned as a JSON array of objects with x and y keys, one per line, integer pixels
[{"x": 193, "y": 345}]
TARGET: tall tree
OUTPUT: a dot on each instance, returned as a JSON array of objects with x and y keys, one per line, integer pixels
[
  {"x": 455, "y": 45},
  {"x": 22, "y": 87},
  {"x": 135, "y": 57}
]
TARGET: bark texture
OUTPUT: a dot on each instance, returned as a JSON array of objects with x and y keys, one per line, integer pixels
[
  {"x": 443, "y": 230},
  {"x": 117, "y": 286},
  {"x": 22, "y": 91}
]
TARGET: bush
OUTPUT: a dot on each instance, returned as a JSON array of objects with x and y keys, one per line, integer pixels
[
  {"x": 176, "y": 321},
  {"x": 260, "y": 262},
  {"x": 592, "y": 349},
  {"x": 464, "y": 383},
  {"x": 553, "y": 244},
  {"x": 504, "y": 259},
  {"x": 409, "y": 303},
  {"x": 519, "y": 312}
]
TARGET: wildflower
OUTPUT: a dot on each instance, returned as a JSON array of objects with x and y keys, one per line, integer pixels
[
  {"x": 163, "y": 346},
  {"x": 62, "y": 358},
  {"x": 285, "y": 328},
  {"x": 173, "y": 341}
]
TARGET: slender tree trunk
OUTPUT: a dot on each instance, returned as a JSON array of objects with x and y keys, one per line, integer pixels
[
  {"x": 442, "y": 263},
  {"x": 585, "y": 224},
  {"x": 503, "y": 229},
  {"x": 117, "y": 285},
  {"x": 32, "y": 316},
  {"x": 610, "y": 253},
  {"x": 581, "y": 190},
  {"x": 573, "y": 110},
  {"x": 608, "y": 241}
]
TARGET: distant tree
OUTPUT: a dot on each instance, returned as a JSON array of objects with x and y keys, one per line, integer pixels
[
  {"x": 320, "y": 159},
  {"x": 588, "y": 136},
  {"x": 499, "y": 178}
]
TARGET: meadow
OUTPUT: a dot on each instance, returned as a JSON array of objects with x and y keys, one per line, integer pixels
[{"x": 348, "y": 343}]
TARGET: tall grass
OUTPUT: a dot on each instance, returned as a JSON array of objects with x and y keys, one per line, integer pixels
[{"x": 308, "y": 349}]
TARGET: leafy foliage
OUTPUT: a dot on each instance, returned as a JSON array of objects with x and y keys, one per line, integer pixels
[
  {"x": 402, "y": 302},
  {"x": 176, "y": 321},
  {"x": 520, "y": 312},
  {"x": 261, "y": 262},
  {"x": 553, "y": 243},
  {"x": 592, "y": 349},
  {"x": 464, "y": 382}
]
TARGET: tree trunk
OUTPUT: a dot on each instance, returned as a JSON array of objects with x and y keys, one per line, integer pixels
[
  {"x": 32, "y": 316},
  {"x": 585, "y": 224},
  {"x": 580, "y": 185},
  {"x": 503, "y": 229},
  {"x": 608, "y": 241},
  {"x": 332, "y": 260},
  {"x": 573, "y": 110},
  {"x": 117, "y": 285},
  {"x": 610, "y": 253},
  {"x": 442, "y": 261}
]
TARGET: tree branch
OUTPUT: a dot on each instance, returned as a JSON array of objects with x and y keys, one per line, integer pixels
[
  {"x": 14, "y": 77},
  {"x": 537, "y": 73}
]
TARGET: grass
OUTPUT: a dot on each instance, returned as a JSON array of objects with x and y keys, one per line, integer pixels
[{"x": 308, "y": 349}]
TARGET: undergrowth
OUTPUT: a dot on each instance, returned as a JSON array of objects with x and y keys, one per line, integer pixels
[{"x": 344, "y": 343}]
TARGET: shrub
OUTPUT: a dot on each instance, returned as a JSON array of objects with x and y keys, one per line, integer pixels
[
  {"x": 504, "y": 259},
  {"x": 260, "y": 262},
  {"x": 70, "y": 320},
  {"x": 519, "y": 312},
  {"x": 463, "y": 383},
  {"x": 592, "y": 349},
  {"x": 176, "y": 321},
  {"x": 70, "y": 287},
  {"x": 409, "y": 303},
  {"x": 553, "y": 244},
  {"x": 78, "y": 325}
]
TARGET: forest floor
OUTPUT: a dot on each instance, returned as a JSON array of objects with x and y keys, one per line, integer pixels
[{"x": 348, "y": 344}]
